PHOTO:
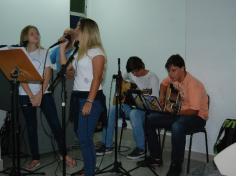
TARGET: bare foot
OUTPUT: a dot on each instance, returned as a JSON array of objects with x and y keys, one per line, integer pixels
[
  {"x": 70, "y": 162},
  {"x": 32, "y": 165}
]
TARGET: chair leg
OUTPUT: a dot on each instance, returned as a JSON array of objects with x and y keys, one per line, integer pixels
[
  {"x": 207, "y": 155},
  {"x": 189, "y": 153},
  {"x": 163, "y": 142},
  {"x": 159, "y": 139}
]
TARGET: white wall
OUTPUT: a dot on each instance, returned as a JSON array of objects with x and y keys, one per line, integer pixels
[
  {"x": 211, "y": 46},
  {"x": 152, "y": 30},
  {"x": 51, "y": 18},
  {"x": 203, "y": 32}
]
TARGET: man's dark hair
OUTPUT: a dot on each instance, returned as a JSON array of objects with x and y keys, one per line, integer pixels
[
  {"x": 134, "y": 63},
  {"x": 175, "y": 60}
]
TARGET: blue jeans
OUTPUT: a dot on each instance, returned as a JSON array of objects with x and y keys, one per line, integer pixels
[
  {"x": 137, "y": 120},
  {"x": 49, "y": 109},
  {"x": 179, "y": 126},
  {"x": 85, "y": 132}
]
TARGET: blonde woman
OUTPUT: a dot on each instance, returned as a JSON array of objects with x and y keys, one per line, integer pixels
[
  {"x": 88, "y": 100},
  {"x": 34, "y": 95}
]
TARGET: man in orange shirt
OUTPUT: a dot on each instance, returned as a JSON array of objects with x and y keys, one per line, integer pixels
[{"x": 192, "y": 115}]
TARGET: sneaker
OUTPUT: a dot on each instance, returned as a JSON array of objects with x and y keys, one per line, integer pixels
[
  {"x": 136, "y": 154},
  {"x": 174, "y": 170},
  {"x": 102, "y": 150},
  {"x": 149, "y": 161}
]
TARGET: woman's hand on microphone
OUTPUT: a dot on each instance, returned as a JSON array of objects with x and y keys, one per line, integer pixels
[{"x": 63, "y": 46}]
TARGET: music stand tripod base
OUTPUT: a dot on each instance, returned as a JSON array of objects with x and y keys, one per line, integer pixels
[{"x": 142, "y": 103}]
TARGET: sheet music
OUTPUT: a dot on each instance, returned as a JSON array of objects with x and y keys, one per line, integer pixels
[{"x": 147, "y": 101}]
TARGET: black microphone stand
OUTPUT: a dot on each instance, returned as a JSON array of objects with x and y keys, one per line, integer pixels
[
  {"x": 61, "y": 76},
  {"x": 116, "y": 166},
  {"x": 147, "y": 112}
]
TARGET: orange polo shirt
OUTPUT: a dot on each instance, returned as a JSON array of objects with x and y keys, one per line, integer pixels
[{"x": 193, "y": 94}]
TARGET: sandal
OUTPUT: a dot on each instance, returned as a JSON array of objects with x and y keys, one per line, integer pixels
[
  {"x": 32, "y": 165},
  {"x": 70, "y": 162}
]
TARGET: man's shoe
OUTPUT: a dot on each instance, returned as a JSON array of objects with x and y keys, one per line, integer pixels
[
  {"x": 149, "y": 161},
  {"x": 174, "y": 170},
  {"x": 102, "y": 150},
  {"x": 136, "y": 154}
]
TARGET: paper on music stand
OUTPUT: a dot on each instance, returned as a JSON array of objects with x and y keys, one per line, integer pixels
[{"x": 147, "y": 101}]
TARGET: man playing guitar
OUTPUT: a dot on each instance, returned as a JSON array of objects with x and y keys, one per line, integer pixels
[
  {"x": 144, "y": 79},
  {"x": 192, "y": 114}
]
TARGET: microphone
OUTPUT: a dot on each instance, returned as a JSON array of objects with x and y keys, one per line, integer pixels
[
  {"x": 76, "y": 44},
  {"x": 24, "y": 44},
  {"x": 67, "y": 37},
  {"x": 2, "y": 46}
]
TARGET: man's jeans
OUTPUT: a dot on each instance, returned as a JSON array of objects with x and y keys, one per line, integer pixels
[
  {"x": 137, "y": 121},
  {"x": 179, "y": 127}
]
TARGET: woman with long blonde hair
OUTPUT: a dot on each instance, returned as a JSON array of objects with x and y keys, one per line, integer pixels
[{"x": 88, "y": 100}]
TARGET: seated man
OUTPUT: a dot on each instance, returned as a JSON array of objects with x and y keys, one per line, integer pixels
[
  {"x": 144, "y": 79},
  {"x": 192, "y": 115}
]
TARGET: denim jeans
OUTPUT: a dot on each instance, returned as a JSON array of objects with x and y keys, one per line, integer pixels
[
  {"x": 179, "y": 126},
  {"x": 85, "y": 132},
  {"x": 30, "y": 114},
  {"x": 137, "y": 120}
]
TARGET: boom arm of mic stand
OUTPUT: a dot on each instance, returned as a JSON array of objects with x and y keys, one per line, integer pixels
[{"x": 62, "y": 72}]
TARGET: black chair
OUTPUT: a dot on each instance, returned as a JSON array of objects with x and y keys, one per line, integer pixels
[{"x": 202, "y": 130}]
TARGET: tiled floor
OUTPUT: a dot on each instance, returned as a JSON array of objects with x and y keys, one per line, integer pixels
[{"x": 52, "y": 167}]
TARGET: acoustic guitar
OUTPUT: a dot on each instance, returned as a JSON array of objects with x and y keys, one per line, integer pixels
[
  {"x": 172, "y": 100},
  {"x": 126, "y": 89}
]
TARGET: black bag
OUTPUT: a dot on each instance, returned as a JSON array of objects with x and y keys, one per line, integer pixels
[{"x": 226, "y": 136}]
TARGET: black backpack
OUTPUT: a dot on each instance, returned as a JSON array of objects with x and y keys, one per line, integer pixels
[{"x": 226, "y": 136}]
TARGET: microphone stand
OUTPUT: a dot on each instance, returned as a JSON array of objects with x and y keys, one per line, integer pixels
[
  {"x": 61, "y": 76},
  {"x": 147, "y": 112},
  {"x": 116, "y": 166}
]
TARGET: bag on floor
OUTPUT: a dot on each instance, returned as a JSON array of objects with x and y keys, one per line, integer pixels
[{"x": 226, "y": 136}]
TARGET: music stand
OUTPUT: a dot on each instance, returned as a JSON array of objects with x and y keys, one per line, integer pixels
[
  {"x": 17, "y": 68},
  {"x": 146, "y": 103}
]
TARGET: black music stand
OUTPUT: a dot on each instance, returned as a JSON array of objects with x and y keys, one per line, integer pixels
[
  {"x": 17, "y": 68},
  {"x": 116, "y": 166},
  {"x": 146, "y": 103}
]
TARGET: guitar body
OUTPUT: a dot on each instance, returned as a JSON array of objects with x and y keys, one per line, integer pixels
[
  {"x": 125, "y": 86},
  {"x": 172, "y": 100}
]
